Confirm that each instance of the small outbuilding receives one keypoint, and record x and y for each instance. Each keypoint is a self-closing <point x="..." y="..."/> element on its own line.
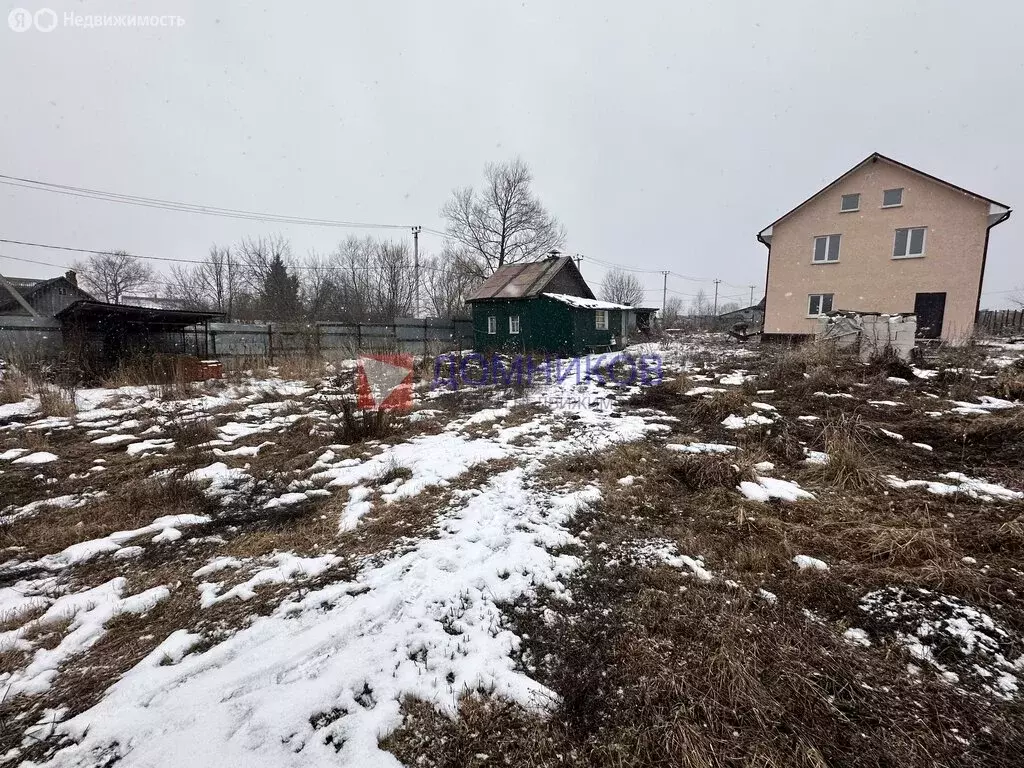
<point x="545" y="306"/>
<point x="99" y="337"/>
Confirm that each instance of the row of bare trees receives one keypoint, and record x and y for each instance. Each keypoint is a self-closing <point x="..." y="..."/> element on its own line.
<point x="364" y="278"/>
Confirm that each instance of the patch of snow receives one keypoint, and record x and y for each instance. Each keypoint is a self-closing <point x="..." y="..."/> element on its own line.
<point x="426" y="624"/>
<point x="806" y="562"/>
<point x="739" y="422"/>
<point x="857" y="636"/>
<point x="39" y="457"/>
<point x="701" y="447"/>
<point x="969" y="486"/>
<point x="767" y="488"/>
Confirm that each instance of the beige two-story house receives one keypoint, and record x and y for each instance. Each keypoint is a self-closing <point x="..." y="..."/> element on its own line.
<point x="883" y="237"/>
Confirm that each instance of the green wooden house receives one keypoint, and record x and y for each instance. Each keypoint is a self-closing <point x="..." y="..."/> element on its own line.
<point x="545" y="306"/>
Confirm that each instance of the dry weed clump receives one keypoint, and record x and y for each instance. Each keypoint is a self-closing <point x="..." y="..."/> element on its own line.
<point x="188" y="433"/>
<point x="1009" y="382"/>
<point x="851" y="465"/>
<point x="57" y="402"/>
<point x="14" y="386"/>
<point x="355" y="425"/>
<point x="716" y="406"/>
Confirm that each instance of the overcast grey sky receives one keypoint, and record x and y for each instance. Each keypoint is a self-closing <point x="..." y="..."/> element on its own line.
<point x="663" y="135"/>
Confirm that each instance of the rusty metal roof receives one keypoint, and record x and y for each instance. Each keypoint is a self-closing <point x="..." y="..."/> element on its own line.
<point x="520" y="281"/>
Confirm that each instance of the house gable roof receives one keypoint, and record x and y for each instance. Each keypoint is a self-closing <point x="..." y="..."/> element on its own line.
<point x="29" y="287"/>
<point x="765" y="234"/>
<point x="528" y="280"/>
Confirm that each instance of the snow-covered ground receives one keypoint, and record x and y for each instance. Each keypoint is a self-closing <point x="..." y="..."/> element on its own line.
<point x="340" y="634"/>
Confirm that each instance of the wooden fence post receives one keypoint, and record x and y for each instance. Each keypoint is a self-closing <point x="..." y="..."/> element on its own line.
<point x="270" y="343"/>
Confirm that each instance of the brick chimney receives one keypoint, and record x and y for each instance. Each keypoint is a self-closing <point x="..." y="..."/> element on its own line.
<point x="72" y="277"/>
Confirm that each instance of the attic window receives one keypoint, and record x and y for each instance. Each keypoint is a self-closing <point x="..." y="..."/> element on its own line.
<point x="891" y="198"/>
<point x="850" y="203"/>
<point x="601" y="319"/>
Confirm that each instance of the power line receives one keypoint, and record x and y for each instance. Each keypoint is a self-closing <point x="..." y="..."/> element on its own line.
<point x="326" y="267"/>
<point x="173" y="205"/>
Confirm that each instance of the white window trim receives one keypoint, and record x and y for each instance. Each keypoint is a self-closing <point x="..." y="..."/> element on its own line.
<point x="849" y="210"/>
<point x="827" y="239"/>
<point x="908" y="254"/>
<point x="821" y="300"/>
<point x="599" y="315"/>
<point x="513" y="330"/>
<point x="894" y="205"/>
<point x="492" y="325"/>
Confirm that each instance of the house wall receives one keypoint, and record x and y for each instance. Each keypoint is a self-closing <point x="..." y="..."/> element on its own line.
<point x="589" y="337"/>
<point x="866" y="277"/>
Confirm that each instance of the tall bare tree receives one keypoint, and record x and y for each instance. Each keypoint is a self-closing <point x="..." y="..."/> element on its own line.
<point x="210" y="284"/>
<point x="622" y="287"/>
<point x="320" y="291"/>
<point x="673" y="312"/>
<point x="504" y="221"/>
<point x="110" y="276"/>
<point x="256" y="257"/>
<point x="701" y="304"/>
<point x="449" y="278"/>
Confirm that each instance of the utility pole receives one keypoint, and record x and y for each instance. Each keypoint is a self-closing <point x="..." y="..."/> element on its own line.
<point x="416" y="269"/>
<point x="715" y="310"/>
<point x="579" y="260"/>
<point x="664" y="293"/>
<point x="752" y="295"/>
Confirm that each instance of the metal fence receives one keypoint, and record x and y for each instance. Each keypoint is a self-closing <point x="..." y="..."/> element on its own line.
<point x="417" y="337"/>
<point x="1001" y="322"/>
<point x="42" y="338"/>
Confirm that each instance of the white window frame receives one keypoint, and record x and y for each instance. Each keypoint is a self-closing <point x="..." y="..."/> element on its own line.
<point x="828" y="243"/>
<point x="849" y="210"/>
<point x="601" y="319"/>
<point x="821" y="301"/>
<point x="513" y="325"/>
<point x="909" y="231"/>
<point x="492" y="325"/>
<point x="893" y="205"/>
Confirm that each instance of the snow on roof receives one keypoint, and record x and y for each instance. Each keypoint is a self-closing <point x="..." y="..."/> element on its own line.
<point x="579" y="301"/>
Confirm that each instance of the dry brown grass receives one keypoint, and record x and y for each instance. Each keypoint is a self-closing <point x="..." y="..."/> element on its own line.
<point x="302" y="367"/>
<point x="57" y="402"/>
<point x="14" y="386"/>
<point x="130" y="505"/>
<point x="715" y="407"/>
<point x="852" y="464"/>
<point x="188" y="433"/>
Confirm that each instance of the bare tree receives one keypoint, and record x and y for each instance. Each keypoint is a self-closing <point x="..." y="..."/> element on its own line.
<point x="504" y="222"/>
<point x="352" y="264"/>
<point x="450" y="278"/>
<point x="110" y="276"/>
<point x="673" y="312"/>
<point x="622" y="287"/>
<point x="210" y="284"/>
<point x="729" y="306"/>
<point x="256" y="257"/>
<point x="701" y="305"/>
<point x="394" y="283"/>
<point x="320" y="291"/>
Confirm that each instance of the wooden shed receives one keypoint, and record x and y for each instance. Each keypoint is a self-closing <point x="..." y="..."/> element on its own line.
<point x="544" y="306"/>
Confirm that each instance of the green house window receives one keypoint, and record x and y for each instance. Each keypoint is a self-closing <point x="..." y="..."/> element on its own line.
<point x="601" y="320"/>
<point x="513" y="325"/>
<point x="492" y="325"/>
